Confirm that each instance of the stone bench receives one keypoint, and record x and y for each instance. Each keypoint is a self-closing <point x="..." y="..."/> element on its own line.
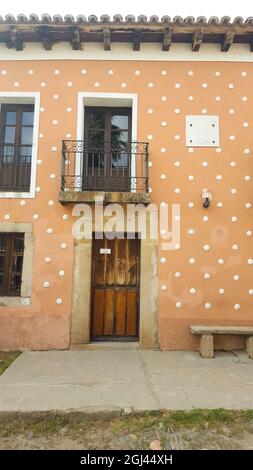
<point x="206" y="337"/>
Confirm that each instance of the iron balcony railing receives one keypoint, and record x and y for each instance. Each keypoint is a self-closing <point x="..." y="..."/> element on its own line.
<point x="103" y="167"/>
<point x="15" y="167"/>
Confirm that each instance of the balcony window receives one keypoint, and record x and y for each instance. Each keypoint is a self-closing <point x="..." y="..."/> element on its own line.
<point x="16" y="138"/>
<point x="107" y="137"/>
<point x="107" y="159"/>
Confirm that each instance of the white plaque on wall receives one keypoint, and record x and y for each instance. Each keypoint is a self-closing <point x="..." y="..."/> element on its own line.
<point x="202" y="131"/>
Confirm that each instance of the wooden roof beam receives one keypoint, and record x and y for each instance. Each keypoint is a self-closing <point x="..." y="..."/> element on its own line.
<point x="107" y="39"/>
<point x="137" y="40"/>
<point x="16" y="39"/>
<point x="167" y="39"/>
<point x="251" y="42"/>
<point x="76" y="41"/>
<point x="45" y="37"/>
<point x="197" y="39"/>
<point x="228" y="41"/>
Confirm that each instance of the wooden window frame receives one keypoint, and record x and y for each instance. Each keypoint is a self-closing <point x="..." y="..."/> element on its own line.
<point x="10" y="258"/>
<point x="108" y="112"/>
<point x="99" y="172"/>
<point x="17" y="163"/>
<point x="19" y="108"/>
<point x="25" y="298"/>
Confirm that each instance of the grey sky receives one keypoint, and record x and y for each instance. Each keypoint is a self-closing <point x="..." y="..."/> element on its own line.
<point x="159" y="7"/>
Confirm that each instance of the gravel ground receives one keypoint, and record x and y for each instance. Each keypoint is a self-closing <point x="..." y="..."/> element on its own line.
<point x="160" y="431"/>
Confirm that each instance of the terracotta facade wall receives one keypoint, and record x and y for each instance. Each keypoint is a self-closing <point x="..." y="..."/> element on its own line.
<point x="167" y="91"/>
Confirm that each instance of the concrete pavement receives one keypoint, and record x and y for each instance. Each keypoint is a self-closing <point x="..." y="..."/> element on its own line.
<point x="93" y="380"/>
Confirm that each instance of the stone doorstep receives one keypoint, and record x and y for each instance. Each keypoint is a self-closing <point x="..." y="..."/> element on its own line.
<point x="107" y="345"/>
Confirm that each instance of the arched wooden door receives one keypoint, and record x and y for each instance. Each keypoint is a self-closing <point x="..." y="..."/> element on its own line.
<point x="115" y="289"/>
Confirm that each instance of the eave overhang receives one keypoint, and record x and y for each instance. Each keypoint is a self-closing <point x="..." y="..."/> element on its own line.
<point x="15" y="33"/>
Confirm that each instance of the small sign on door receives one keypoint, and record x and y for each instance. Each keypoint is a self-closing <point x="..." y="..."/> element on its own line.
<point x="105" y="251"/>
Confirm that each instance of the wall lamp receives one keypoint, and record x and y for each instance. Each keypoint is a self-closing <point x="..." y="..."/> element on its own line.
<point x="207" y="197"/>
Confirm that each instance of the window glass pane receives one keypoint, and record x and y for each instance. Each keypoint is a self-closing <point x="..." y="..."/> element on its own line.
<point x="17" y="264"/>
<point x="1" y="284"/>
<point x="119" y="159"/>
<point x="96" y="120"/>
<point x="119" y="122"/>
<point x="95" y="160"/>
<point x="27" y="136"/>
<point x="96" y="138"/>
<point x="25" y="154"/>
<point x="26" y="151"/>
<point x="7" y="154"/>
<point x="1" y="264"/>
<point x="16" y="284"/>
<point x="19" y="243"/>
<point x="2" y="244"/>
<point x="119" y="138"/>
<point x="11" y="118"/>
<point x="27" y="119"/>
<point x="9" y="137"/>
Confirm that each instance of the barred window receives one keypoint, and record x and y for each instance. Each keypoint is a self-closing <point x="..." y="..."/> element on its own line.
<point x="11" y="263"/>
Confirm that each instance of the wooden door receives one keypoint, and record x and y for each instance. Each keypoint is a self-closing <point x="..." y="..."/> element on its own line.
<point x="115" y="289"/>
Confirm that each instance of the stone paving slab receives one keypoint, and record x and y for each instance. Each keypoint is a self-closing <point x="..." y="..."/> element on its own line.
<point x="108" y="380"/>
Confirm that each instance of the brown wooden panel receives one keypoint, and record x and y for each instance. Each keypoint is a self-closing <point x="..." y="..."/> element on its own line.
<point x="99" y="261"/>
<point x="98" y="312"/>
<point x="132" y="309"/>
<point x="110" y="263"/>
<point x="109" y="311"/>
<point x="120" y="275"/>
<point x="120" y="312"/>
<point x="133" y="262"/>
<point x="115" y="309"/>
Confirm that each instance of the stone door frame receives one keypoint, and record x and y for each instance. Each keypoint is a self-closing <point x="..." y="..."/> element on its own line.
<point x="81" y="299"/>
